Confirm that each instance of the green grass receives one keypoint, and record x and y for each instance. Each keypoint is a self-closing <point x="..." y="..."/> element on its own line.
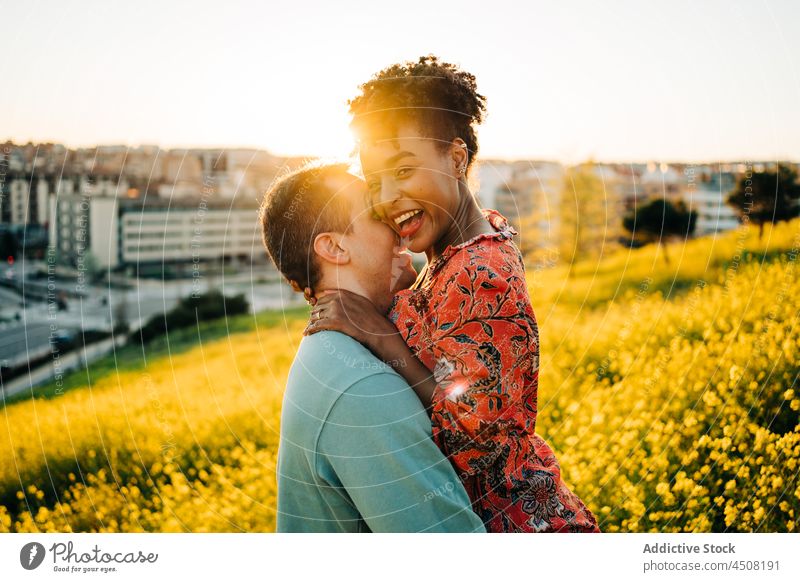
<point x="597" y="282"/>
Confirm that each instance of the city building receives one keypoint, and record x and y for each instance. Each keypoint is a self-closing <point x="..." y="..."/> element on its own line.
<point x="187" y="233"/>
<point x="131" y="206"/>
<point x="492" y="175"/>
<point x="120" y="233"/>
<point x="23" y="199"/>
<point x="660" y="181"/>
<point x="528" y="193"/>
<point x="706" y="192"/>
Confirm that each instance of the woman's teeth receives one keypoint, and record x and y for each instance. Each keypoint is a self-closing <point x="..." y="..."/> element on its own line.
<point x="405" y="216"/>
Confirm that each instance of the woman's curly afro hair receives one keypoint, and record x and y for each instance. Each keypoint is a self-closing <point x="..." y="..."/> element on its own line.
<point x="440" y="99"/>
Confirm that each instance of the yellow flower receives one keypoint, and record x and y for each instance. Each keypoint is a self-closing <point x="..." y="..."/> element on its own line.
<point x="665" y="413"/>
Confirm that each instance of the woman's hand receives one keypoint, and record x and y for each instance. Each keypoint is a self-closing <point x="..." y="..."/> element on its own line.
<point x="351" y="314"/>
<point x="356" y="316"/>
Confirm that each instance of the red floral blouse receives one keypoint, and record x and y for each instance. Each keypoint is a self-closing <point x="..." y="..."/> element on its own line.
<point x="469" y="319"/>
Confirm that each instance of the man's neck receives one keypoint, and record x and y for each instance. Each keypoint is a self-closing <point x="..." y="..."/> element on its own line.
<point x="342" y="283"/>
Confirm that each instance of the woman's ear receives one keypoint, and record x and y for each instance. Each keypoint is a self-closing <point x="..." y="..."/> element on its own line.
<point x="328" y="248"/>
<point x="460" y="156"/>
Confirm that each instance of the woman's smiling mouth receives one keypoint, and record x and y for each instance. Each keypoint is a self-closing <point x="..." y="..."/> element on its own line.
<point x="408" y="223"/>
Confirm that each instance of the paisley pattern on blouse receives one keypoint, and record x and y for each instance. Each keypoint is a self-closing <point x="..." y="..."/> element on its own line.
<point x="469" y="319"/>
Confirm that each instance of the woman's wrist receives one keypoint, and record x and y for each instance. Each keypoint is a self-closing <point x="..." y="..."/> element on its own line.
<point x="389" y="347"/>
<point x="395" y="352"/>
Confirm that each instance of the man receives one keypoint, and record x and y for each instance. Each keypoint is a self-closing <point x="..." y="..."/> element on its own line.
<point x="356" y="452"/>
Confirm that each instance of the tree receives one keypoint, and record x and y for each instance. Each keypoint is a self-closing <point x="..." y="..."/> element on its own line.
<point x="767" y="196"/>
<point x="119" y="318"/>
<point x="658" y="221"/>
<point x="583" y="215"/>
<point x="528" y="239"/>
<point x="91" y="267"/>
<point x="190" y="311"/>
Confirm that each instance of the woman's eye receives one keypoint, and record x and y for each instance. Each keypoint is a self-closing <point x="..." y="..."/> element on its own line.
<point x="403" y="172"/>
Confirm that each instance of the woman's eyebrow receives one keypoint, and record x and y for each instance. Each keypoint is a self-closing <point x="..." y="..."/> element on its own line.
<point x="397" y="157"/>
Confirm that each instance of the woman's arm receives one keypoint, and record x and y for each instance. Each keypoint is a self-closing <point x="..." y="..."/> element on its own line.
<point x="356" y="316"/>
<point x="395" y="352"/>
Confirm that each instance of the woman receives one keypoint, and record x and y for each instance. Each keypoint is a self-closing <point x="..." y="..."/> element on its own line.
<point x="464" y="335"/>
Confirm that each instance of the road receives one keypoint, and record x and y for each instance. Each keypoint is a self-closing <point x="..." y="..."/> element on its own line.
<point x="21" y="343"/>
<point x="9" y="298"/>
<point x="60" y="366"/>
<point x="28" y="336"/>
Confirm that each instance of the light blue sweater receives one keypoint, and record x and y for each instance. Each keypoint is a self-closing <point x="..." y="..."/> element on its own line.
<point x="356" y="453"/>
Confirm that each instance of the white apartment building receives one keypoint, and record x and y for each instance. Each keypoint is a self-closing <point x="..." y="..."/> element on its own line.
<point x="528" y="193"/>
<point x="83" y="226"/>
<point x="491" y="177"/>
<point x="187" y="234"/>
<point x="119" y="232"/>
<point x="707" y="197"/>
<point x="713" y="214"/>
<point x="24" y="200"/>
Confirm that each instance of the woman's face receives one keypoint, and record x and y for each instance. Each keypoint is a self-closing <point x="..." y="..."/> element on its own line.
<point x="413" y="186"/>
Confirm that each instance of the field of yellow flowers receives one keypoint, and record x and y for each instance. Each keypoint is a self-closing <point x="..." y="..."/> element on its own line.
<point x="669" y="392"/>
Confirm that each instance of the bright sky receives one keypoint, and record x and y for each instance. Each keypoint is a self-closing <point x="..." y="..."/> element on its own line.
<point x="616" y="81"/>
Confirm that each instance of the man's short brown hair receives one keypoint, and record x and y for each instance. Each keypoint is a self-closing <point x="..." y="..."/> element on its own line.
<point x="298" y="207"/>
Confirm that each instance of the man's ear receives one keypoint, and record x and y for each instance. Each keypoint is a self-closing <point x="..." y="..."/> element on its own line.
<point x="328" y="248"/>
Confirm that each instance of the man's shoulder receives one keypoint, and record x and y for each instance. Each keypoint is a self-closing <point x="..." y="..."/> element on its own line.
<point x="339" y="358"/>
<point x="329" y="364"/>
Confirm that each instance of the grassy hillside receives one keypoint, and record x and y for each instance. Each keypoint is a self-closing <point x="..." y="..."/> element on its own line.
<point x="669" y="393"/>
